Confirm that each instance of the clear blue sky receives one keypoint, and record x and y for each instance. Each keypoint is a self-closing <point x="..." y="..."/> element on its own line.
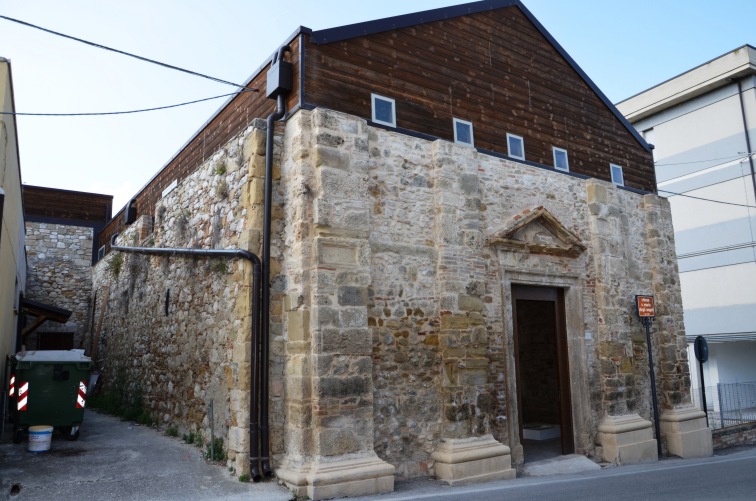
<point x="625" y="47"/>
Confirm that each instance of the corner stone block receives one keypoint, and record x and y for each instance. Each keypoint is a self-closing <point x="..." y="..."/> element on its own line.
<point x="254" y="144"/>
<point x="242" y="305"/>
<point x="469" y="460"/>
<point x="627" y="439"/>
<point x="256" y="191"/>
<point x="238" y="439"/>
<point x="596" y="192"/>
<point x="470" y="303"/>
<point x="686" y="432"/>
<point x="298" y="325"/>
<point x="331" y="157"/>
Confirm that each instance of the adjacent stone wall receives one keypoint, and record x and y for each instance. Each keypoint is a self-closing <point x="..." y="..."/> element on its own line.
<point x="60" y="274"/>
<point x="176" y="330"/>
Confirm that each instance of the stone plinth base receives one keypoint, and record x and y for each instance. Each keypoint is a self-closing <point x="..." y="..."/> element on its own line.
<point x="686" y="432"/>
<point x="460" y="461"/>
<point x="326" y="478"/>
<point x="627" y="439"/>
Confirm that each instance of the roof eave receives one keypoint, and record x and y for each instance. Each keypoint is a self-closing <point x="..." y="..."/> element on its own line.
<point x="697" y="81"/>
<point x="355" y="30"/>
<point x="288" y="40"/>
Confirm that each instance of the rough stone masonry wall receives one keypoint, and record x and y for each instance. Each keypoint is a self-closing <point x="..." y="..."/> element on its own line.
<point x="60" y="274"/>
<point x="178" y="361"/>
<point x="438" y="294"/>
<point x="391" y="298"/>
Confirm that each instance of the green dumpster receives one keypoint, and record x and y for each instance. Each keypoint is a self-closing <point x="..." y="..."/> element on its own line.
<point x="49" y="388"/>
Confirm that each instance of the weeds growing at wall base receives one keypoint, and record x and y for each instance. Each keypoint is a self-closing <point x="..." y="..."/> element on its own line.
<point x="117" y="402"/>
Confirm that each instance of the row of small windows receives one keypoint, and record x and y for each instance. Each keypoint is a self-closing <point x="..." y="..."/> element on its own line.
<point x="384" y="113"/>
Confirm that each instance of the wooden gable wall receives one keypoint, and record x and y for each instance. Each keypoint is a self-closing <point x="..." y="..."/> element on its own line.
<point x="494" y="69"/>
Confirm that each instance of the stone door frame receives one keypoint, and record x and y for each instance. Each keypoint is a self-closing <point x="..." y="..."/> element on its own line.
<point x="578" y="342"/>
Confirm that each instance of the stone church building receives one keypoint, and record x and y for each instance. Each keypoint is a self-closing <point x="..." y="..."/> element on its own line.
<point x="459" y="222"/>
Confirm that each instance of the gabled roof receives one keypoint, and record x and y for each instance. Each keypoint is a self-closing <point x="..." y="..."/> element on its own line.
<point x="349" y="31"/>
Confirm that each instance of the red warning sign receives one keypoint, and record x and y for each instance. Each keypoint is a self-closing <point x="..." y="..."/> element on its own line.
<point x="645" y="306"/>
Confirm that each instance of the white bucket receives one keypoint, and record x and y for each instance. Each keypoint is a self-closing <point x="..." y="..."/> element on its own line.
<point x="40" y="438"/>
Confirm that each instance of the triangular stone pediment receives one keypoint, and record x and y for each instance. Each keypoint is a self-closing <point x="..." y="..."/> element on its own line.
<point x="537" y="231"/>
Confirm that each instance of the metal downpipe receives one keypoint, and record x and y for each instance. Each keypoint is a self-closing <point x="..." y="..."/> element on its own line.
<point x="254" y="424"/>
<point x="265" y="300"/>
<point x="254" y="397"/>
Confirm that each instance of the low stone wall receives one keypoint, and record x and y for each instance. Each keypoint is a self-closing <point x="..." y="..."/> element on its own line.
<point x="60" y="274"/>
<point x="744" y="434"/>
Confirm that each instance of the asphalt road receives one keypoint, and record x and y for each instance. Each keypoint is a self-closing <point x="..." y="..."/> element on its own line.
<point x="117" y="460"/>
<point x="730" y="477"/>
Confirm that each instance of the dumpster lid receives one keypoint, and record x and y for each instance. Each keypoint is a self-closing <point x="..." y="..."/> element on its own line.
<point x="52" y="356"/>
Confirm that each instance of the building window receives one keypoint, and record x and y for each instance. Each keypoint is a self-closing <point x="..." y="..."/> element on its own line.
<point x="384" y="110"/>
<point x="463" y="132"/>
<point x="101" y="253"/>
<point x="561" y="162"/>
<point x="515" y="146"/>
<point x="618" y="177"/>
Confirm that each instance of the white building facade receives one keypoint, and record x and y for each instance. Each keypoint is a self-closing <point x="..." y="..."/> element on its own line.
<point x="703" y="126"/>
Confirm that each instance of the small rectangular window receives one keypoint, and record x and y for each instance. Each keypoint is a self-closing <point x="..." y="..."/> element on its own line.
<point x="384" y="110"/>
<point x="515" y="146"/>
<point x="618" y="177"/>
<point x="101" y="253"/>
<point x="463" y="132"/>
<point x="561" y="161"/>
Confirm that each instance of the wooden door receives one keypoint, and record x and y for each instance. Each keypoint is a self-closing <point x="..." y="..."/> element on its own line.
<point x="543" y="307"/>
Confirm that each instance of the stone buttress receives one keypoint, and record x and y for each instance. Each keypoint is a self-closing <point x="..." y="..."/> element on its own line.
<point x="328" y="436"/>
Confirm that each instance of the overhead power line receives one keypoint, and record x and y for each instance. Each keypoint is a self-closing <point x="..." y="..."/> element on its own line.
<point x="706" y="199"/>
<point x="145" y="59"/>
<point x="733" y="157"/>
<point x="100" y="113"/>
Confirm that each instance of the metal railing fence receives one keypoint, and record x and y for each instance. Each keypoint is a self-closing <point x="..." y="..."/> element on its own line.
<point x="728" y="404"/>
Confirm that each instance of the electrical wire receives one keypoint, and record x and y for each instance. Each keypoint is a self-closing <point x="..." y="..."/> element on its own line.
<point x="101" y="113"/>
<point x="141" y="58"/>
<point x="733" y="157"/>
<point x="706" y="199"/>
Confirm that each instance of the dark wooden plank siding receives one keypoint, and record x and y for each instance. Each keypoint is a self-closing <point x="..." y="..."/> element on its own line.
<point x="494" y="69"/>
<point x="42" y="203"/>
<point x="229" y="122"/>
